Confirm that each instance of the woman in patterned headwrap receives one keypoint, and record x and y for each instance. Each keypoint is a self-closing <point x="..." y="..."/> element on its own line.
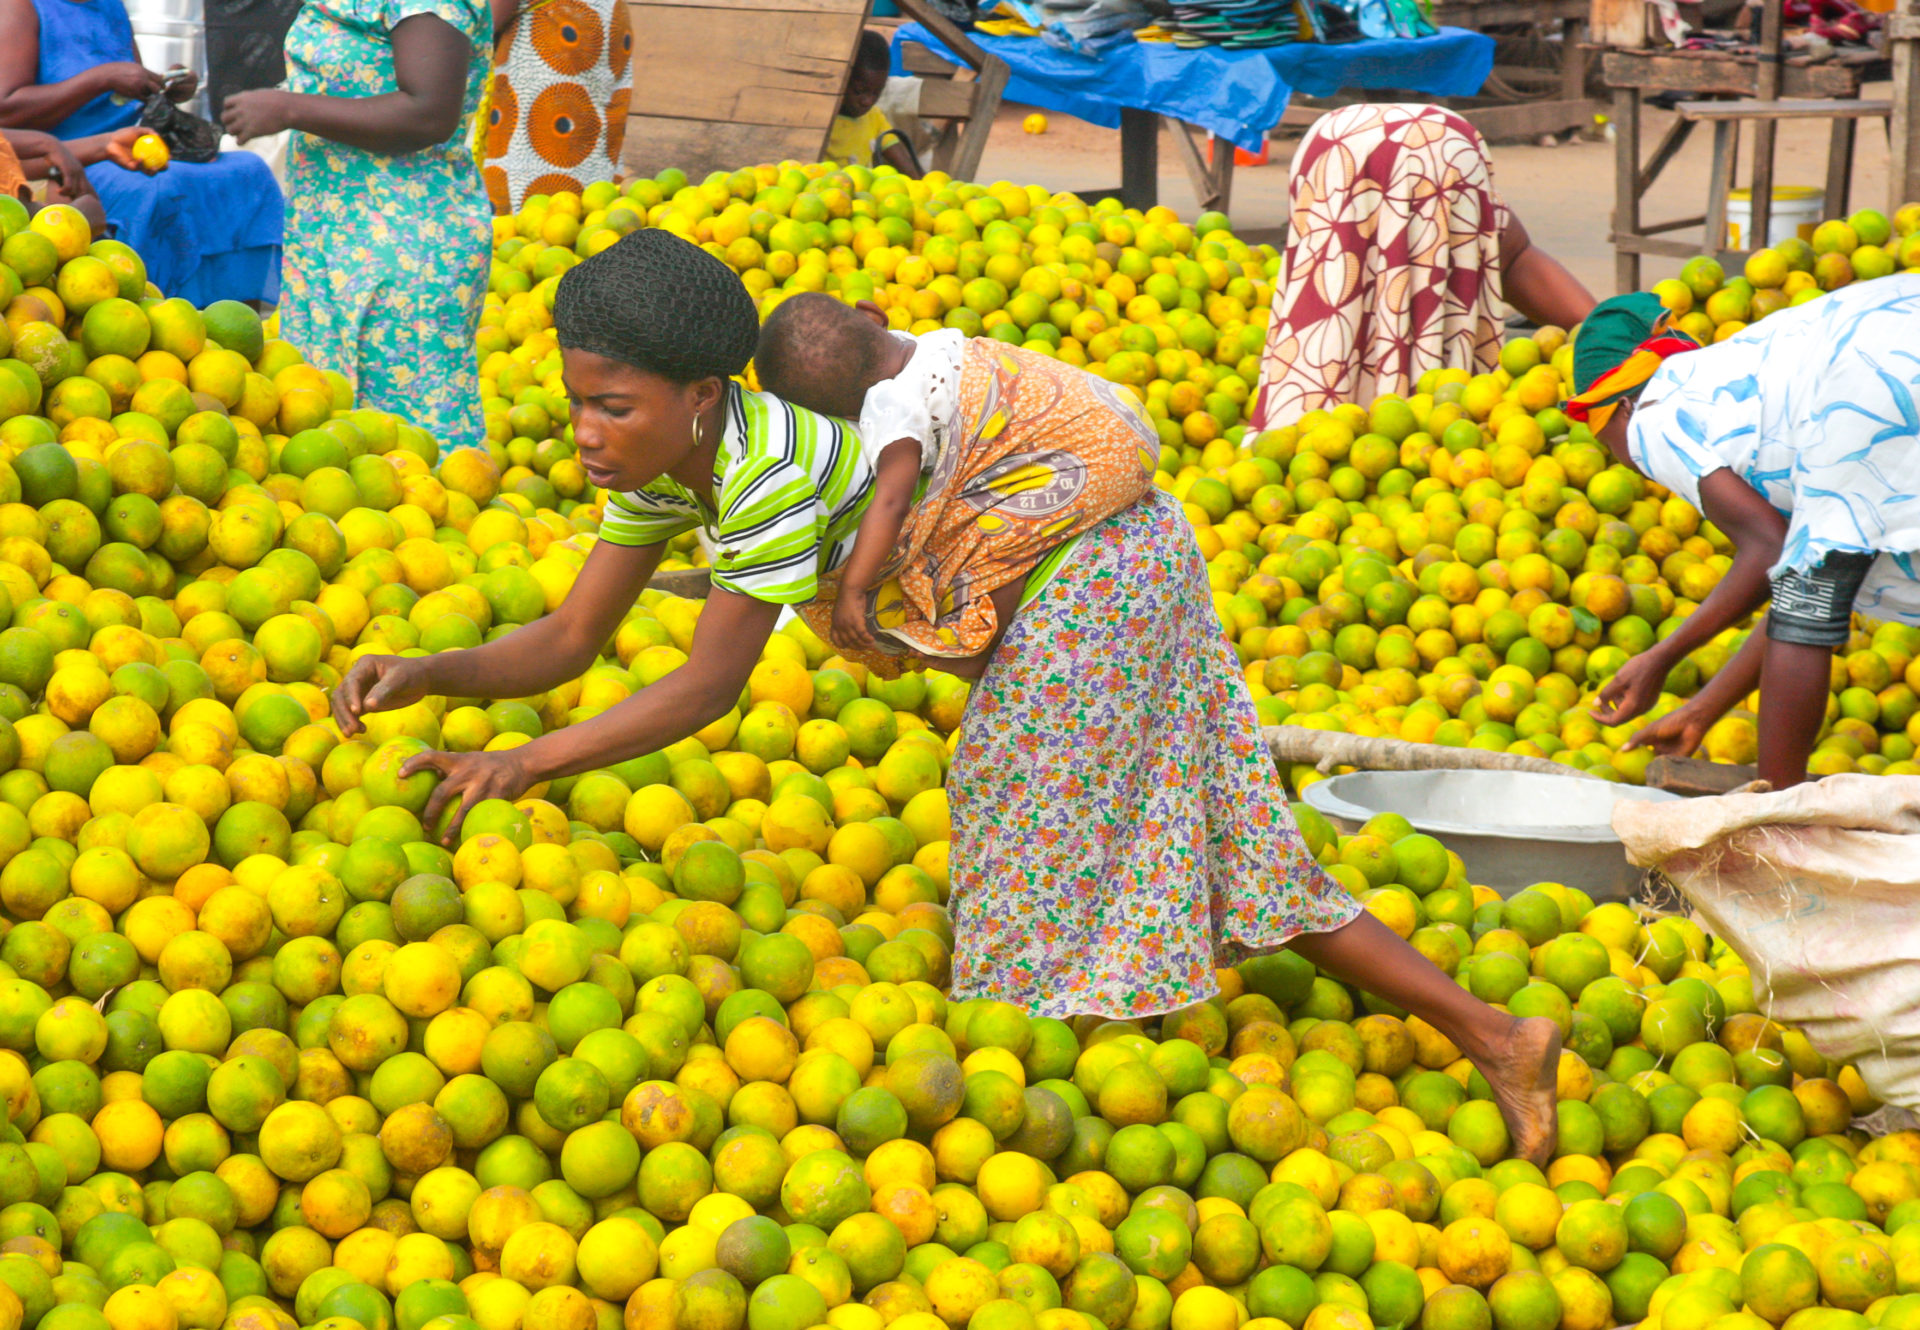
<point x="1400" y="259"/>
<point x="1118" y="828"/>
<point x="1795" y="438"/>
<point x="562" y="73"/>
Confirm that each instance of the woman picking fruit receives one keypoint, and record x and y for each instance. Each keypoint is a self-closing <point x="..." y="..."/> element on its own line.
<point x="391" y="232"/>
<point x="1795" y="438"/>
<point x="1119" y="828"/>
<point x="1400" y="259"/>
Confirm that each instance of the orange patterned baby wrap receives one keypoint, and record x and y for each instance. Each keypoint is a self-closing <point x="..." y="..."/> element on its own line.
<point x="1042" y="452"/>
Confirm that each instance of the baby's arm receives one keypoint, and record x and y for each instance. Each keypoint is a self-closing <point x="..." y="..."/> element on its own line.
<point x="895" y="475"/>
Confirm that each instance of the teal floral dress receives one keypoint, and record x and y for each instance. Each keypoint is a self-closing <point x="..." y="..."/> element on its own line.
<point x="387" y="255"/>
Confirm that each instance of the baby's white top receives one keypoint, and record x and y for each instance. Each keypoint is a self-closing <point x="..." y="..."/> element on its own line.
<point x="921" y="402"/>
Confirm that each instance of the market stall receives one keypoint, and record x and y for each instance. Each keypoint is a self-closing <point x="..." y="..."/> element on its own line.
<point x="1233" y="95"/>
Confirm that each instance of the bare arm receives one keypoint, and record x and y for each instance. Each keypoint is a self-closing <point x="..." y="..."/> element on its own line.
<point x="26" y="104"/>
<point x="1681" y="731"/>
<point x="733" y="628"/>
<point x="893" y="483"/>
<point x="430" y="70"/>
<point x="1757" y="532"/>
<point x="1794" y="682"/>
<point x="548" y="651"/>
<point x="1536" y="284"/>
<point x="895" y="155"/>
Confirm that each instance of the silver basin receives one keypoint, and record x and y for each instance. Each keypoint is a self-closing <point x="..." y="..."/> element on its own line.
<point x="1511" y="828"/>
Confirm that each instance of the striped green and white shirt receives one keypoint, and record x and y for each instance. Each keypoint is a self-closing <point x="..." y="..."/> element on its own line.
<point x="791" y="487"/>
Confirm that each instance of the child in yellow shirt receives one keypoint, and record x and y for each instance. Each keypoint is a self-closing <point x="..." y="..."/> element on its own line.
<point x="861" y="125"/>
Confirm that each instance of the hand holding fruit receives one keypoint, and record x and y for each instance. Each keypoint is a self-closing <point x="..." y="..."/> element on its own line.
<point x="150" y="153"/>
<point x="1633" y="689"/>
<point x="377" y="683"/>
<point x="465" y="780"/>
<point x="1679" y="733"/>
<point x="256" y="114"/>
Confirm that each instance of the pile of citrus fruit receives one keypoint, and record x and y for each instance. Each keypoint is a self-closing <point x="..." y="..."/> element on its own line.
<point x="668" y="1045"/>
<point x="1710" y="306"/>
<point x="1463" y="567"/>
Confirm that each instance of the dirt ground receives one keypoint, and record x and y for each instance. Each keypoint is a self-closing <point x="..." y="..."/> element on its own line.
<point x="1564" y="194"/>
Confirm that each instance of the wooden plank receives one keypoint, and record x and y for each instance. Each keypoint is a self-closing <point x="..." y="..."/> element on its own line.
<point x="697" y="146"/>
<point x="736" y="82"/>
<point x="1677" y="224"/>
<point x="1677" y="72"/>
<point x="945" y="31"/>
<point x="1726" y="150"/>
<point x="1839" y="108"/>
<point x="1529" y="120"/>
<point x="1619" y="23"/>
<point x="776" y="68"/>
<point x="1663" y="152"/>
<point x="944" y="99"/>
<point x="1631" y="247"/>
<point x="1840" y="168"/>
<point x="1626" y="199"/>
<point x="1691" y="776"/>
<point x="1478" y="14"/>
<point x="691" y="583"/>
<point x="1903" y="130"/>
<point x="971" y="142"/>
<point x="920" y="60"/>
<point x="1766" y="88"/>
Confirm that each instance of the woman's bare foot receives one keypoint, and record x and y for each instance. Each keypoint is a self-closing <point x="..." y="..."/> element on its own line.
<point x="1524" y="1071"/>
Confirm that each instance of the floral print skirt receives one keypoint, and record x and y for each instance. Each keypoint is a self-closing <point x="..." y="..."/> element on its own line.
<point x="1118" y="828"/>
<point x="1394" y="263"/>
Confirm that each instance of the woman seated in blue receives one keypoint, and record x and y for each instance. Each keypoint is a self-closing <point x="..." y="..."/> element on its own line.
<point x="207" y="231"/>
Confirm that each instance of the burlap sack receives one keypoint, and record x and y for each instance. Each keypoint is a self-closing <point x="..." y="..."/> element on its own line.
<point x="1818" y="889"/>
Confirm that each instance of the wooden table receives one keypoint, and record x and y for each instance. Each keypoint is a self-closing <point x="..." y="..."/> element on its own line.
<point x="1830" y="89"/>
<point x="1570" y="107"/>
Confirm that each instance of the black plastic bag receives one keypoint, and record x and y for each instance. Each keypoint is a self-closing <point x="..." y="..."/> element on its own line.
<point x="187" y="136"/>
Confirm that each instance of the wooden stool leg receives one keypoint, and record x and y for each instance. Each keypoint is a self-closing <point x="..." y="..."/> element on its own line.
<point x="1626" y="186"/>
<point x="1725" y="145"/>
<point x="1840" y="167"/>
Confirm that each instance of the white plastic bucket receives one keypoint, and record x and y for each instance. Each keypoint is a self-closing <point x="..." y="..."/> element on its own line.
<point x="1796" y="211"/>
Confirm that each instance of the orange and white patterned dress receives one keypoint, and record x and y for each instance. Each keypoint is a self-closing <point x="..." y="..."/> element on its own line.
<point x="1393" y="268"/>
<point x="557" y="113"/>
<point x="1039" y="453"/>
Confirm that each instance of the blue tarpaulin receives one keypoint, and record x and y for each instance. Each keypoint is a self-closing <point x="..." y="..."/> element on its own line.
<point x="1235" y="95"/>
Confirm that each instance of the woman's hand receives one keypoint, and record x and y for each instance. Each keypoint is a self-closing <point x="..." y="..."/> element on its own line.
<point x="850" y="631"/>
<point x="1679" y="733"/>
<point x="258" y="114"/>
<point x="465" y="780"/>
<point x="1633" y="689"/>
<point x="181" y="83"/>
<point x="129" y="78"/>
<point x="378" y="683"/>
<point x="117" y="147"/>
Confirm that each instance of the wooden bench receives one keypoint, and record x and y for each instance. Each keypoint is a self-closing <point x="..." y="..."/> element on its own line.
<point x="1726" y="118"/>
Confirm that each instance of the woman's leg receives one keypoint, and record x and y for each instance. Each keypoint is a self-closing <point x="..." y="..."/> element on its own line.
<point x="1520" y="1058"/>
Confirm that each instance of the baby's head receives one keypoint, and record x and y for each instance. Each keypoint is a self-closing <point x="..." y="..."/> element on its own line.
<point x="823" y="355"/>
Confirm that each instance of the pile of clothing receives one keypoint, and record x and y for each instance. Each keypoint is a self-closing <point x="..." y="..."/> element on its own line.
<point x="1249" y="24"/>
